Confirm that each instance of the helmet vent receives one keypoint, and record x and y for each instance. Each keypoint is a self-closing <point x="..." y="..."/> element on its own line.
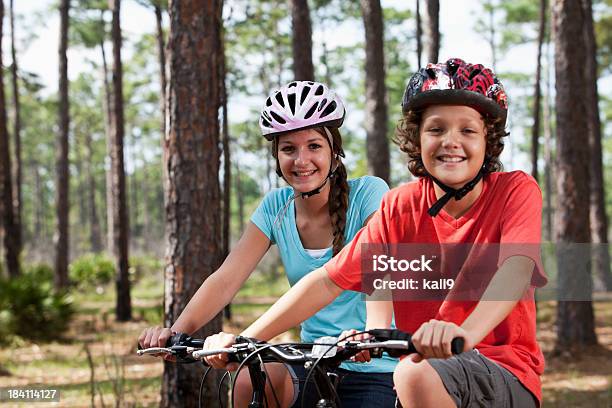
<point x="304" y="94"/>
<point x="291" y="99"/>
<point x="279" y="99"/>
<point x="292" y="85"/>
<point x="311" y="110"/>
<point x="330" y="108"/>
<point x="323" y="102"/>
<point x="319" y="90"/>
<point x="278" y="118"/>
<point x="268" y="102"/>
<point x="266" y="123"/>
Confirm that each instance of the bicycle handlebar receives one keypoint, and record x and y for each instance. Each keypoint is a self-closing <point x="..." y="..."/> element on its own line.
<point x="395" y="342"/>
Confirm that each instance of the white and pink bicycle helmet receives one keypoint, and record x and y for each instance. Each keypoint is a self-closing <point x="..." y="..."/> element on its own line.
<point x="300" y="105"/>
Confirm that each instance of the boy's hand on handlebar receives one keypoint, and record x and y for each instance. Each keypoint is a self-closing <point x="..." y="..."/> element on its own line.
<point x="349" y="335"/>
<point x="217" y="341"/>
<point x="433" y="339"/>
<point x="156" y="337"/>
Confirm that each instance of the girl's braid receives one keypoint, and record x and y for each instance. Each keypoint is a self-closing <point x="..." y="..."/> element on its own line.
<point x="338" y="205"/>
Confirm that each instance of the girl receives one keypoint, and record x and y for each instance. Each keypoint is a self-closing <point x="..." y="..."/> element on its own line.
<point x="452" y="129"/>
<point x="309" y="221"/>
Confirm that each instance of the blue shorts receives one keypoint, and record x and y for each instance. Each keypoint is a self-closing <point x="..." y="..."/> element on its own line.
<point x="355" y="389"/>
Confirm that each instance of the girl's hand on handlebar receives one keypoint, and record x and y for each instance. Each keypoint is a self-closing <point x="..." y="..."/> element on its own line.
<point x="156" y="337"/>
<point x="433" y="339"/>
<point x="349" y="335"/>
<point x="217" y="341"/>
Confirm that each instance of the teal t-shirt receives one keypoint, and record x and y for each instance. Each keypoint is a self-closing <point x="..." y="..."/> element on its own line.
<point x="348" y="310"/>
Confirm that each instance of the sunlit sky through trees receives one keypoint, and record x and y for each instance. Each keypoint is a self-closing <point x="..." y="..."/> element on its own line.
<point x="458" y="38"/>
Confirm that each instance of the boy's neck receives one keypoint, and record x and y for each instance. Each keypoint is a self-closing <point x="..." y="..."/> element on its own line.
<point x="458" y="208"/>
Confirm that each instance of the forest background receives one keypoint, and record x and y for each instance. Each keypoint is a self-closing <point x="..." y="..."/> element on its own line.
<point x="67" y="122"/>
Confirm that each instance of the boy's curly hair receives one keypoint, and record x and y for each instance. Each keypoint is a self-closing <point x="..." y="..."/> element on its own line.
<point x="408" y="139"/>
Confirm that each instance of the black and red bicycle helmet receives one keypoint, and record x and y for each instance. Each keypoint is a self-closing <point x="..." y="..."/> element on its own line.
<point x="456" y="82"/>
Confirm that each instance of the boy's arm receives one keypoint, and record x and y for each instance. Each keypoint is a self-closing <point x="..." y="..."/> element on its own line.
<point x="510" y="282"/>
<point x="433" y="338"/>
<point x="307" y="297"/>
<point x="379" y="314"/>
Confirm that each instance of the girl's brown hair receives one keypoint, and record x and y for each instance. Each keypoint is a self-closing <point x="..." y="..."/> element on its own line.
<point x="339" y="188"/>
<point x="408" y="139"/>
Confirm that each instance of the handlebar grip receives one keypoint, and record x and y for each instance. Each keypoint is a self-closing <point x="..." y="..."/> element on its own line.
<point x="457" y="345"/>
<point x="177" y="339"/>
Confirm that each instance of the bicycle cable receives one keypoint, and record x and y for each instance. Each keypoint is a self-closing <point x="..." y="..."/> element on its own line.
<point x="202" y="386"/>
<point x="242" y="364"/>
<point x="226" y="374"/>
<point x="268" y="379"/>
<point x="331" y="387"/>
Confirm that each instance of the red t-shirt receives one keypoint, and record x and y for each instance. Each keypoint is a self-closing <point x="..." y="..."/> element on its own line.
<point x="508" y="211"/>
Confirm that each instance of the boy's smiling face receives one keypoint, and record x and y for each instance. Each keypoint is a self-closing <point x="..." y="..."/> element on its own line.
<point x="453" y="143"/>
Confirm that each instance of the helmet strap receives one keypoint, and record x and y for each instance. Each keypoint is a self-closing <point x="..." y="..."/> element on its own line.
<point x="457" y="194"/>
<point x="333" y="166"/>
<point x="332" y="171"/>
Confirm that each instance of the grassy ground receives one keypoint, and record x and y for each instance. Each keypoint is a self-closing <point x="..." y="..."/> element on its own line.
<point x="570" y="380"/>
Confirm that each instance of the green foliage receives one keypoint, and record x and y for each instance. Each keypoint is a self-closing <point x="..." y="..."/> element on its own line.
<point x="509" y="23"/>
<point x="144" y="266"/>
<point x="91" y="270"/>
<point x="30" y="308"/>
<point x="603" y="34"/>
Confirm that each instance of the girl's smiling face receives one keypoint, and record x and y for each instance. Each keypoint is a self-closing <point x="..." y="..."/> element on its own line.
<point x="304" y="158"/>
<point x="453" y="143"/>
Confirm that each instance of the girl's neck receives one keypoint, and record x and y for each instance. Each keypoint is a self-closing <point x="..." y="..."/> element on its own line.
<point x="458" y="208"/>
<point x="314" y="205"/>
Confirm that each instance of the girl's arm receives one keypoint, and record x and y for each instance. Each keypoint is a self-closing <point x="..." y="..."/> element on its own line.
<point x="216" y="291"/>
<point x="221" y="287"/>
<point x="307" y="297"/>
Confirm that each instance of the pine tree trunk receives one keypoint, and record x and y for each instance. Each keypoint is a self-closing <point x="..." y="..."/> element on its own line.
<point x="419" y="33"/>
<point x="227" y="167"/>
<point x="575" y="321"/>
<point x="239" y="197"/>
<point x="146" y="219"/>
<point x="7" y="220"/>
<point x="133" y="194"/>
<point x="78" y="180"/>
<point x="432" y="30"/>
<point x="120" y="215"/>
<point x="162" y="66"/>
<point x="492" y="42"/>
<point x="598" y="216"/>
<point x="325" y="63"/>
<point x="535" y="129"/>
<point x="38" y="206"/>
<point x="95" y="238"/>
<point x="376" y="99"/>
<point x="303" y="69"/>
<point x="106" y="102"/>
<point x="548" y="154"/>
<point x="17" y="139"/>
<point x="192" y="195"/>
<point x="61" y="238"/>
